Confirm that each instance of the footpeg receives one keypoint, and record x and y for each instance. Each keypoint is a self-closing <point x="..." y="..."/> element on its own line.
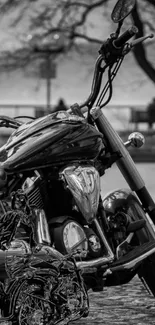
<point x="134" y="257"/>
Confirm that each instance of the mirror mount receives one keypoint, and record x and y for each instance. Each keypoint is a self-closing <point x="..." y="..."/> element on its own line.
<point x="119" y="28"/>
<point x="117" y="32"/>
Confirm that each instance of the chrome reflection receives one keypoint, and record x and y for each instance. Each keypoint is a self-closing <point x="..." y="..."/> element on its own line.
<point x="41" y="231"/>
<point x="17" y="256"/>
<point x="74" y="236"/>
<point x="84" y="184"/>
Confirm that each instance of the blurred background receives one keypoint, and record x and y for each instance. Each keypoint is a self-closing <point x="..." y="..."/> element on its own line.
<point x="47" y="56"/>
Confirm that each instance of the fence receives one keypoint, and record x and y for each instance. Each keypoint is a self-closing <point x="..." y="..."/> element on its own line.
<point x="126" y="118"/>
<point x="123" y="116"/>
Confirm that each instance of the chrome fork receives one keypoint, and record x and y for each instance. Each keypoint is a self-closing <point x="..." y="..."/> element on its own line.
<point x="106" y="259"/>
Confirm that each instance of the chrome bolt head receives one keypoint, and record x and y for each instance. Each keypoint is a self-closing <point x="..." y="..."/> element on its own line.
<point x="136" y="139"/>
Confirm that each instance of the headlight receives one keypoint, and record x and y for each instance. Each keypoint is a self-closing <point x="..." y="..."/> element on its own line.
<point x="84" y="184"/>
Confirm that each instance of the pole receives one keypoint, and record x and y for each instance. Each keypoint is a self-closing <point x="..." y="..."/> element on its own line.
<point x="48" y="83"/>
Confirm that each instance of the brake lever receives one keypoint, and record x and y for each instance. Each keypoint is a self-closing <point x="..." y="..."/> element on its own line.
<point x="140" y="40"/>
<point x="130" y="45"/>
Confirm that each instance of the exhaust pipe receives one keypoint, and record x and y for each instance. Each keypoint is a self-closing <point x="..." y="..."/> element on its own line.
<point x="86" y="266"/>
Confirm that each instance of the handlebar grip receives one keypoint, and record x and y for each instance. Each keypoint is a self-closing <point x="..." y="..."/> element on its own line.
<point x="121" y="40"/>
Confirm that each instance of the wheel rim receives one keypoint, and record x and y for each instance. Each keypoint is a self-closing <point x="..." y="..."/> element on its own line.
<point x="32" y="312"/>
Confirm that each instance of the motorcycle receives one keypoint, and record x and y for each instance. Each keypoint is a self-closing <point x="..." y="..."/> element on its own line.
<point x="58" y="237"/>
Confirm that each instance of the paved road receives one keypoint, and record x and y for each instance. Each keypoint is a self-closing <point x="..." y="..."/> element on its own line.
<point x="129" y="304"/>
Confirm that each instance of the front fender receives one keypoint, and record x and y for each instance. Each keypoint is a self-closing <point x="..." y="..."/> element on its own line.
<point x="126" y="201"/>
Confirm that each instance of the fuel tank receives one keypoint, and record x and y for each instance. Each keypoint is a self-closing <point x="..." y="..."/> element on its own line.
<point x="57" y="137"/>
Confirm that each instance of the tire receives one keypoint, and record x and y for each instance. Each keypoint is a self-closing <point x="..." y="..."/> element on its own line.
<point x="146" y="273"/>
<point x="126" y="201"/>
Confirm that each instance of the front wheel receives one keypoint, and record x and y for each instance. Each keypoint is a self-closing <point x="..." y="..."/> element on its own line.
<point x="147" y="273"/>
<point x="124" y="200"/>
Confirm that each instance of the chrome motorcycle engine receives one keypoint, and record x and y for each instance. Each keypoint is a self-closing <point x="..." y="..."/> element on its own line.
<point x="71" y="238"/>
<point x="68" y="236"/>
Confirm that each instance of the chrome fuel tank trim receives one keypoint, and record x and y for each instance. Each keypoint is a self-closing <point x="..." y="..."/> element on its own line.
<point x="84" y="184"/>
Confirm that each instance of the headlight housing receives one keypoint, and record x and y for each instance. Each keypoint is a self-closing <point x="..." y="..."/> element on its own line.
<point x="84" y="184"/>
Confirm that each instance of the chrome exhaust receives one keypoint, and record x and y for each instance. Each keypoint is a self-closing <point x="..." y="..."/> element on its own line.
<point x="43" y="239"/>
<point x="42" y="235"/>
<point x="101" y="261"/>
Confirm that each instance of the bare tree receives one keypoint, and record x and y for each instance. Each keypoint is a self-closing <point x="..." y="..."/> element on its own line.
<point x="144" y="22"/>
<point x="53" y="27"/>
<point x="45" y="27"/>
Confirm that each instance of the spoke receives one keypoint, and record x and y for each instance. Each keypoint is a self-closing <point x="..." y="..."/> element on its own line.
<point x="31" y="307"/>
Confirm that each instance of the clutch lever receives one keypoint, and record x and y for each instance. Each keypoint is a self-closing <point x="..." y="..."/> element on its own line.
<point x="8" y="125"/>
<point x="140" y="40"/>
<point x="8" y="122"/>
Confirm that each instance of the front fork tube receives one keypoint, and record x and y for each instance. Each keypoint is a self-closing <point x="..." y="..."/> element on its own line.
<point x="125" y="164"/>
<point x="103" y="239"/>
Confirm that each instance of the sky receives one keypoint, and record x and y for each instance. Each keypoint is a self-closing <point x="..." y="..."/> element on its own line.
<point x="74" y="75"/>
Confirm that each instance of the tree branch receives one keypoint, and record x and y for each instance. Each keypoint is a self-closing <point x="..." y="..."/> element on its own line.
<point x="151" y="2"/>
<point x="139" y="50"/>
<point x="82" y="4"/>
<point x="89" y="8"/>
<point x="87" y="38"/>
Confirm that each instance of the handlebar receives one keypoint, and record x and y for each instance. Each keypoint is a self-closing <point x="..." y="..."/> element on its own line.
<point x="121" y="40"/>
<point x="112" y="53"/>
